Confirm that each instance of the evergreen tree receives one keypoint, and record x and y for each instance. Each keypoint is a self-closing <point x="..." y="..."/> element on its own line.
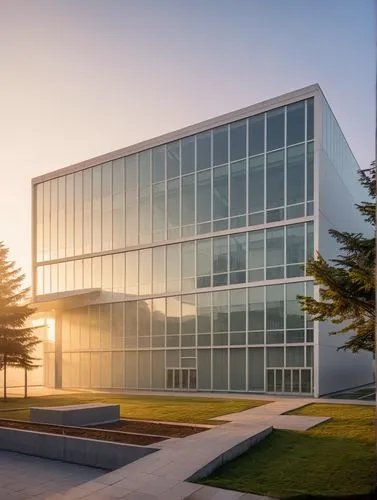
<point x="17" y="341"/>
<point x="347" y="283"/>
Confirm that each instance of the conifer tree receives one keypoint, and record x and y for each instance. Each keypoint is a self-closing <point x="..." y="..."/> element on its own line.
<point x="17" y="340"/>
<point x="347" y="283"/>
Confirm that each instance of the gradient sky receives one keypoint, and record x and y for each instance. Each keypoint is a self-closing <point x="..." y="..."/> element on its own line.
<point x="80" y="78"/>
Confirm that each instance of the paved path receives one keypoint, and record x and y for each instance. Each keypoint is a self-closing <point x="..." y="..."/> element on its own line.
<point x="26" y="477"/>
<point x="165" y="474"/>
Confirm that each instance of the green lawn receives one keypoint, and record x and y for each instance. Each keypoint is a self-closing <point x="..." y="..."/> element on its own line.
<point x="167" y="408"/>
<point x="333" y="459"/>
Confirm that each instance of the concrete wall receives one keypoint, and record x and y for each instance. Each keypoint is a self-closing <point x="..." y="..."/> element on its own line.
<point x="90" y="452"/>
<point x="338" y="191"/>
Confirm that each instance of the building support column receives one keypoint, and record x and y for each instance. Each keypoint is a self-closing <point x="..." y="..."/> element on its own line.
<point x="58" y="350"/>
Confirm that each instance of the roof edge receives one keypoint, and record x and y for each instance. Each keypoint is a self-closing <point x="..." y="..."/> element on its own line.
<point x="239" y="114"/>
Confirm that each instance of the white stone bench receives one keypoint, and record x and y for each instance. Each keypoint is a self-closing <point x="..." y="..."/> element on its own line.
<point x="76" y="415"/>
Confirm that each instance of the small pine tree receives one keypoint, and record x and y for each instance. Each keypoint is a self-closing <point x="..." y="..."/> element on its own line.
<point x="347" y="283"/>
<point x="17" y="340"/>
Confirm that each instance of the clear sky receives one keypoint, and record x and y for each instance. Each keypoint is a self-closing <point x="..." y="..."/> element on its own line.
<point x="79" y="78"/>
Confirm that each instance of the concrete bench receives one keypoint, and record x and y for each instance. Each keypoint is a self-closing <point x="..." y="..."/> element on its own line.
<point x="76" y="415"/>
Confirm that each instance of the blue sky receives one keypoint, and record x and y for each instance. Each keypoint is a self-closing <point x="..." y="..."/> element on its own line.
<point x="80" y="78"/>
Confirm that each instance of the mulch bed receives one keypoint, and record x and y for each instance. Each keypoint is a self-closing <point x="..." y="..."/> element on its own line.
<point x="142" y="427"/>
<point x="85" y="432"/>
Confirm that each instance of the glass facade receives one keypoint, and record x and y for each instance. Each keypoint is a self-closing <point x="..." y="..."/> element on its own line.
<point x="199" y="248"/>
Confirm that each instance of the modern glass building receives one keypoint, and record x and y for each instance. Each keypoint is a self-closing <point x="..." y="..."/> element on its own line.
<point x="175" y="264"/>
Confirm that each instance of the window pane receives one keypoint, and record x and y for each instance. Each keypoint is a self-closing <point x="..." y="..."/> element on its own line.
<point x="158" y="164"/>
<point x="54" y="219"/>
<point x="310" y="118"/>
<point x="238" y="188"/>
<point x="203" y="150"/>
<point x="220" y="193"/>
<point x="172" y="160"/>
<point x="188" y="155"/>
<point x="203" y="197"/>
<point x="275" y="307"/>
<point x="256" y="249"/>
<point x="118" y="204"/>
<point x="238" y="140"/>
<point x="256" y="308"/>
<point x="118" y="273"/>
<point x="220" y="311"/>
<point x="203" y="265"/>
<point x="158" y="194"/>
<point x="310" y="241"/>
<point x="296" y="174"/>
<point x="275" y="247"/>
<point x="237" y="249"/>
<point x="296" y="123"/>
<point x="158" y="316"/>
<point x="188" y="200"/>
<point x="220" y="255"/>
<point x="275" y="357"/>
<point x="173" y="314"/>
<point x="173" y="205"/>
<point x="158" y="256"/>
<point x="275" y="179"/>
<point x="188" y="259"/>
<point x="256" y="184"/>
<point x="220" y="145"/>
<point x="131" y="177"/>
<point x="61" y="217"/>
<point x="275" y="129"/>
<point x="145" y="272"/>
<point x="132" y="273"/>
<point x="295" y="243"/>
<point x="295" y="356"/>
<point x="294" y="314"/>
<point x="173" y="268"/>
<point x="310" y="171"/>
<point x="107" y="273"/>
<point x="238" y="310"/>
<point x="256" y="135"/>
<point x="188" y="314"/>
<point x="107" y="207"/>
<point x="69" y="228"/>
<point x="204" y="313"/>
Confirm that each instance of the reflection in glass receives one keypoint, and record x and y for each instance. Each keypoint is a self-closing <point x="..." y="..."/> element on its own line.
<point x="238" y="310"/>
<point x="256" y="308"/>
<point x="204" y="313"/>
<point x="46" y="219"/>
<point x="87" y="210"/>
<point x="70" y="203"/>
<point x="237" y="252"/>
<point x="275" y="307"/>
<point x="220" y="145"/>
<point x="173" y="268"/>
<point x="296" y="123"/>
<point x="188" y="200"/>
<point x="158" y="164"/>
<point x="158" y="266"/>
<point x="173" y="314"/>
<point x="188" y="265"/>
<point x="256" y="184"/>
<point x="188" y="155"/>
<point x="310" y="119"/>
<point x="203" y="151"/>
<point x="172" y="160"/>
<point x="158" y="211"/>
<point x="295" y="243"/>
<point x="203" y="197"/>
<point x="296" y="174"/>
<point x="310" y="171"/>
<point x="118" y="204"/>
<point x="96" y="272"/>
<point x="107" y="207"/>
<point x="54" y="219"/>
<point x="145" y="271"/>
<point x="238" y="140"/>
<point x="220" y="254"/>
<point x="131" y="176"/>
<point x="256" y="135"/>
<point x="39" y="203"/>
<point x="132" y="273"/>
<point x="118" y="273"/>
<point x="220" y="193"/>
<point x="78" y="270"/>
<point x="220" y="311"/>
<point x="238" y="188"/>
<point x="188" y="312"/>
<point x="96" y="209"/>
<point x="275" y="129"/>
<point x="275" y="179"/>
<point x="173" y="208"/>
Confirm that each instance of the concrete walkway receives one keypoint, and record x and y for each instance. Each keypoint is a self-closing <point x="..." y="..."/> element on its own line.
<point x="165" y="474"/>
